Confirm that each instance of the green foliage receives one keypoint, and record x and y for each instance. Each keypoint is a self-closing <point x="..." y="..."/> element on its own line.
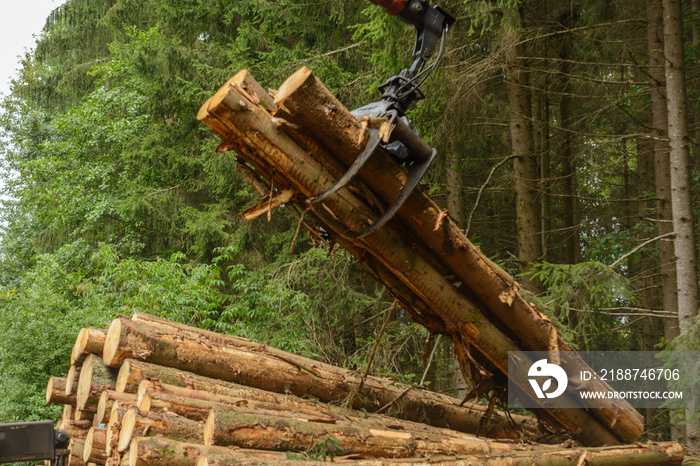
<point x="39" y="320"/>
<point x="579" y="294"/>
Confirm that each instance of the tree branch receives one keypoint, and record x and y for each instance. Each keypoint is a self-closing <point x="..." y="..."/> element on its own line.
<point x="625" y="256"/>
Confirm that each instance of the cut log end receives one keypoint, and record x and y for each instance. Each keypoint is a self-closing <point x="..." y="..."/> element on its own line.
<point x="77" y="353"/>
<point x="126" y="431"/>
<point x="203" y="112"/>
<point x="145" y="386"/>
<point x="292" y="84"/>
<point x="72" y="378"/>
<point x="85" y="383"/>
<point x="55" y="391"/>
<point x="123" y="376"/>
<point x="110" y="353"/>
<point x="209" y="428"/>
<point x="95" y="446"/>
<point x="145" y="402"/>
<point x="102" y="414"/>
<point x="134" y="452"/>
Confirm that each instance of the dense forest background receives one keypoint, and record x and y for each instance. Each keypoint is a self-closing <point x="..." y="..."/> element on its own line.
<point x="562" y="128"/>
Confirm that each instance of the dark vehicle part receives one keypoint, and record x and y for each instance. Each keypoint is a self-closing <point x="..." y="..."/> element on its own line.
<point x="33" y="441"/>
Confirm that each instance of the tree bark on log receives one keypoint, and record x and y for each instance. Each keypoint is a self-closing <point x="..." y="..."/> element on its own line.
<point x="137" y="423"/>
<point x="198" y="410"/>
<point x="632" y="455"/>
<point x="261" y="367"/>
<point x="294" y="407"/>
<point x="157" y="451"/>
<point x="284" y="434"/>
<point x="56" y="392"/>
<point x="95" y="377"/>
<point x="253" y="127"/>
<point x="90" y="340"/>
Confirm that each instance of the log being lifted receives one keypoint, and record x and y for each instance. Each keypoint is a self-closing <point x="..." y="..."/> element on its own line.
<point x="437" y="250"/>
<point x="254" y="365"/>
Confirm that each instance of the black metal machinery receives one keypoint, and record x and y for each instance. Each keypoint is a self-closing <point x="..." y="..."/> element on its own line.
<point x="432" y="24"/>
<point x="33" y="441"/>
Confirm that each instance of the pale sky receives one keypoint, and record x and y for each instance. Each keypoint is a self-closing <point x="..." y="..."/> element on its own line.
<point x="21" y="21"/>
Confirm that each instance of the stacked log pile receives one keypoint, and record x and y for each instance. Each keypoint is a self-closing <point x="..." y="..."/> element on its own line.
<point x="294" y="147"/>
<point x="155" y="392"/>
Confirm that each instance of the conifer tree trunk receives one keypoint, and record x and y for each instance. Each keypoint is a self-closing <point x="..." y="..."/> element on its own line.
<point x="525" y="170"/>
<point x="684" y="241"/>
<point x="662" y="170"/>
<point x="571" y="216"/>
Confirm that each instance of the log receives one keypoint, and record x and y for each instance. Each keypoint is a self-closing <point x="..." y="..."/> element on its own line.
<point x="56" y="392"/>
<point x="284" y="434"/>
<point x="76" y="448"/>
<point x="307" y="101"/>
<point x="72" y="379"/>
<point x="254" y="365"/>
<point x="133" y="372"/>
<point x="84" y="415"/>
<point x="157" y="451"/>
<point x="136" y="423"/>
<point x="192" y="404"/>
<point x="95" y="450"/>
<point x="252" y="126"/>
<point x="264" y="457"/>
<point x="650" y="455"/>
<point x="76" y="429"/>
<point x="114" y="426"/>
<point x="107" y="399"/>
<point x="90" y="340"/>
<point x="95" y="377"/>
<point x="198" y="410"/>
<point x="67" y="413"/>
